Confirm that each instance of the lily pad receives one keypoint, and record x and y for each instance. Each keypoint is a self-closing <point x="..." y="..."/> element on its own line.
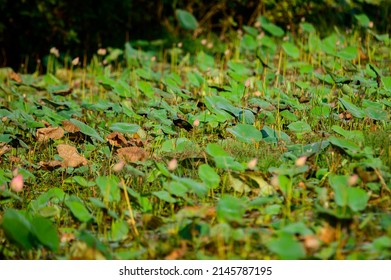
<point x="246" y="133"/>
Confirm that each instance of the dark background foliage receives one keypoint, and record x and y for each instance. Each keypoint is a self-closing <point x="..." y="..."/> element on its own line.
<point x="29" y="28"/>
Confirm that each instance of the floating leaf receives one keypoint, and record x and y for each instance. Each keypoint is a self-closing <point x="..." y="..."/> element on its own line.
<point x="291" y="50"/>
<point x="87" y="130"/>
<point x="82" y="181"/>
<point x="17" y="228"/>
<point x="109" y="188"/>
<point x="196" y="187"/>
<point x="355" y="135"/>
<point x="230" y="209"/>
<point x="49" y="211"/>
<point x="165" y="196"/>
<point x="119" y="230"/>
<point x="215" y="150"/>
<point x="246" y="133"/>
<point x="353" y="197"/>
<point x="363" y="20"/>
<point x="186" y="19"/>
<point x="339" y="183"/>
<point x="271" y="27"/>
<point x="376" y="114"/>
<point x="271" y="135"/>
<point x="125" y="127"/>
<point x="176" y="188"/>
<point x="348" y="146"/>
<point x="209" y="176"/>
<point x="299" y="127"/>
<point x="307" y="27"/>
<point x="246" y="116"/>
<point x="227" y="162"/>
<point x="357" y="199"/>
<point x="353" y="109"/>
<point x="348" y="53"/>
<point x="248" y="42"/>
<point x="264" y="188"/>
<point x="79" y="210"/>
<point x="297" y="228"/>
<point x="45" y="232"/>
<point x="286" y="247"/>
<point x="387" y="83"/>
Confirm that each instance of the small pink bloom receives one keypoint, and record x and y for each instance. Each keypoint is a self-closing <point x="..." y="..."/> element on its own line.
<point x="196" y="122"/>
<point x="353" y="180"/>
<point x="102" y="51"/>
<point x="301" y="161"/>
<point x="172" y="164"/>
<point x="75" y="61"/>
<point x="54" y="51"/>
<point x="17" y="183"/>
<point x="252" y="163"/>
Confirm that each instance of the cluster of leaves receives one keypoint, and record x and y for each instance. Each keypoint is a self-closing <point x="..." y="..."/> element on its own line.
<point x="278" y="149"/>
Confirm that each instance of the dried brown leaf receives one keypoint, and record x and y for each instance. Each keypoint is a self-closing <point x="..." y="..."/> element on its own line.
<point x="15" y="77"/>
<point x="71" y="156"/>
<point x="70" y="127"/>
<point x="327" y="233"/>
<point x="44" y="134"/>
<point x="4" y="148"/>
<point x="311" y="243"/>
<point x="50" y="165"/>
<point x="117" y="139"/>
<point x="178" y="253"/>
<point x="63" y="92"/>
<point x="132" y="154"/>
<point x="14" y="159"/>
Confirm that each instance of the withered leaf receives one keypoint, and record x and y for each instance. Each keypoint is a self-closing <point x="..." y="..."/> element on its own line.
<point x="50" y="165"/>
<point x="15" y="77"/>
<point x="327" y="233"/>
<point x="62" y="92"/>
<point x="117" y="139"/>
<point x="70" y="127"/>
<point x="178" y="253"/>
<point x="44" y="134"/>
<point x="4" y="148"/>
<point x="132" y="154"/>
<point x="71" y="156"/>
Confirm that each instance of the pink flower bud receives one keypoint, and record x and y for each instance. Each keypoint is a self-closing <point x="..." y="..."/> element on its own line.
<point x="196" y="122"/>
<point x="172" y="164"/>
<point x="75" y="61"/>
<point x="252" y="163"/>
<point x="301" y="161"/>
<point x="17" y="183"/>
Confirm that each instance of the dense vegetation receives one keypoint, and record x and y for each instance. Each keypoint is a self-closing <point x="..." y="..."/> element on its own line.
<point x="271" y="144"/>
<point x="28" y="29"/>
